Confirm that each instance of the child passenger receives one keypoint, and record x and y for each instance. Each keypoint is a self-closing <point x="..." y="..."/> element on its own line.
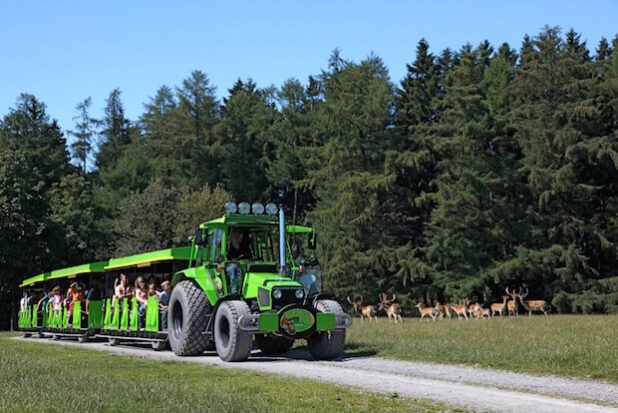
<point x="164" y="298"/>
<point x="141" y="294"/>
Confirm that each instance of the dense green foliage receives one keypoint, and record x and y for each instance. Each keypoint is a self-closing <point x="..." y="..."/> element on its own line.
<point x="481" y="169"/>
<point x="563" y="345"/>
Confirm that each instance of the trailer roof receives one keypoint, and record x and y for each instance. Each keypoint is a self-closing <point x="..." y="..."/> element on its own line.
<point x="91" y="268"/>
<point x="29" y="282"/>
<point x="148" y="258"/>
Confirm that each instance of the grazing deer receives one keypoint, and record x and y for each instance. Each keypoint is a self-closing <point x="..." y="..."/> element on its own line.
<point x="461" y="309"/>
<point x="499" y="307"/>
<point x="443" y="310"/>
<point x="430" y="311"/>
<point x="392" y="309"/>
<point x="511" y="305"/>
<point x="532" y="305"/>
<point x="368" y="311"/>
<point x="484" y="312"/>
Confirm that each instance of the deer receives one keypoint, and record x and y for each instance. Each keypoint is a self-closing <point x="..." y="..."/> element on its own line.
<point x="368" y="311"/>
<point x="484" y="312"/>
<point x="392" y="309"/>
<point x="430" y="311"/>
<point x="443" y="310"/>
<point x="532" y="305"/>
<point x="461" y="309"/>
<point x="499" y="307"/>
<point x="474" y="310"/>
<point x="511" y="305"/>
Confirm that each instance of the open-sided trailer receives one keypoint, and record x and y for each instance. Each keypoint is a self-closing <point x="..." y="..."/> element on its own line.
<point x="29" y="320"/>
<point x="82" y="324"/>
<point x="120" y="321"/>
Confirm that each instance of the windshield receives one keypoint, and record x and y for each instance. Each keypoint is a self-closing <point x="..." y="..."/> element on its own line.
<point x="252" y="243"/>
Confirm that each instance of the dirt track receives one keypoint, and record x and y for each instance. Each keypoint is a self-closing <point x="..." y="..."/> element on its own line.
<point x="474" y="388"/>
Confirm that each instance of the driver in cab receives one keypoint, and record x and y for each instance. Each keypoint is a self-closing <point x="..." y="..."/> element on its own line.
<point x="239" y="248"/>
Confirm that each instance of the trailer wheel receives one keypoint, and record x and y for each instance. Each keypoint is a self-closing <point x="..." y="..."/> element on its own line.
<point x="231" y="342"/>
<point x="329" y="344"/>
<point x="27" y="335"/>
<point x="273" y="345"/>
<point x="82" y="339"/>
<point x="57" y="336"/>
<point x="113" y="342"/>
<point x="188" y="313"/>
<point x="159" y="345"/>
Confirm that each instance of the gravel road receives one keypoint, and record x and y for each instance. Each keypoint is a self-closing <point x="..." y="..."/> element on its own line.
<point x="478" y="389"/>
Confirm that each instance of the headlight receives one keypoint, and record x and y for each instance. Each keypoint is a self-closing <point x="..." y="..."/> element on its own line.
<point x="276" y="294"/>
<point x="299" y="293"/>
<point x="244" y="208"/>
<point x="271" y="209"/>
<point x="230" y="207"/>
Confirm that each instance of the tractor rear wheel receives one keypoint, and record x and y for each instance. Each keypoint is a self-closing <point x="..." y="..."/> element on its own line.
<point x="188" y="316"/>
<point x="273" y="345"/>
<point x="233" y="344"/>
<point x="328" y="344"/>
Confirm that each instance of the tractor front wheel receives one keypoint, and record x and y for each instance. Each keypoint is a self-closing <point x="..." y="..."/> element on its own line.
<point x="328" y="344"/>
<point x="273" y="345"/>
<point x="232" y="343"/>
<point x="188" y="315"/>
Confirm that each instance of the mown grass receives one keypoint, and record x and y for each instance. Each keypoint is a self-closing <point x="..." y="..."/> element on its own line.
<point x="583" y="346"/>
<point x="41" y="377"/>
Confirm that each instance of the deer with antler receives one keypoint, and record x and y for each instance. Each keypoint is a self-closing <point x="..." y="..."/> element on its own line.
<point x="532" y="305"/>
<point x="368" y="311"/>
<point x="511" y="305"/>
<point x="499" y="307"/>
<point x="392" y="309"/>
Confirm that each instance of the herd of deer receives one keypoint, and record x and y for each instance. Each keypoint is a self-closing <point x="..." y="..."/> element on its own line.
<point x="463" y="309"/>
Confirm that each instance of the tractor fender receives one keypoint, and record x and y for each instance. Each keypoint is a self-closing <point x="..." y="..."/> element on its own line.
<point x="202" y="277"/>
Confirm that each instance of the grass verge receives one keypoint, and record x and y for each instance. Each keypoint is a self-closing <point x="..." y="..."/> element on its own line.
<point x="568" y="345"/>
<point x="38" y="376"/>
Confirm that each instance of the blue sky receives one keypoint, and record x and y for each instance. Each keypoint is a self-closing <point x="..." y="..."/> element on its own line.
<point x="63" y="51"/>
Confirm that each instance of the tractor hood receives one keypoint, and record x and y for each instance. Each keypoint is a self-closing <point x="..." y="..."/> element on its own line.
<point x="271" y="290"/>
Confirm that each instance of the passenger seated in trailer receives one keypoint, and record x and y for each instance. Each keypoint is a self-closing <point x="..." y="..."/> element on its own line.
<point x="120" y="289"/>
<point x="94" y="294"/>
<point x="239" y="248"/>
<point x="57" y="301"/>
<point x="141" y="294"/>
<point x="42" y="304"/>
<point x="164" y="298"/>
<point x="23" y="303"/>
<point x="76" y="296"/>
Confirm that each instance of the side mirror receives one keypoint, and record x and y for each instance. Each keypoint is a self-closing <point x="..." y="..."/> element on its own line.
<point x="200" y="239"/>
<point x="313" y="241"/>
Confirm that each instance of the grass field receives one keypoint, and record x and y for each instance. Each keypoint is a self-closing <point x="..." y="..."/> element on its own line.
<point x="38" y="377"/>
<point x="570" y="345"/>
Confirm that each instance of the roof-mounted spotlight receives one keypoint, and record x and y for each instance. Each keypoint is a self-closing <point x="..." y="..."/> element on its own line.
<point x="271" y="209"/>
<point x="244" y="208"/>
<point x="230" y="207"/>
<point x="257" y="208"/>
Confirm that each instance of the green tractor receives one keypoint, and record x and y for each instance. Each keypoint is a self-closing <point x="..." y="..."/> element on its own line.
<point x="251" y="276"/>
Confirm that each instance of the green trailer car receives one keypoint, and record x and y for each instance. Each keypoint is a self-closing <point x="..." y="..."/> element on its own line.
<point x="247" y="277"/>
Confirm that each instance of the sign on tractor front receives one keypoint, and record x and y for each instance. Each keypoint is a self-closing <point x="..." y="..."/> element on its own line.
<point x="296" y="320"/>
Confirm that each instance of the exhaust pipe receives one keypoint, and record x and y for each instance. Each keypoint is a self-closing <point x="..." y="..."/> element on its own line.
<point x="282" y="268"/>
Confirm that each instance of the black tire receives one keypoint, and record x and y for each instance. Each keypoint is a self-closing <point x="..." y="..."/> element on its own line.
<point x="113" y="342"/>
<point x="231" y="342"/>
<point x="187" y="319"/>
<point x="159" y="345"/>
<point x="273" y="345"/>
<point x="329" y="344"/>
<point x="57" y="336"/>
<point x="27" y="335"/>
<point x="82" y="339"/>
